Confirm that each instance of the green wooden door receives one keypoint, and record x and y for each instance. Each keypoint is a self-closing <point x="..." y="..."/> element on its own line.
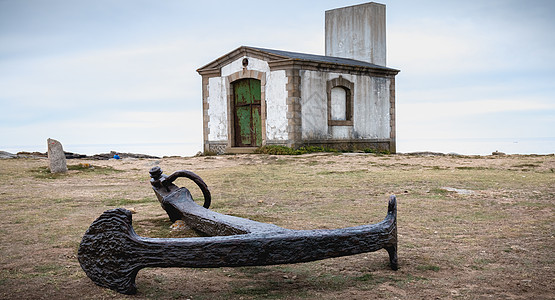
<point x="248" y="129"/>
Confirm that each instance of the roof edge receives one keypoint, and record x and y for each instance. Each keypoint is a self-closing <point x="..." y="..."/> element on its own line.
<point x="282" y="58"/>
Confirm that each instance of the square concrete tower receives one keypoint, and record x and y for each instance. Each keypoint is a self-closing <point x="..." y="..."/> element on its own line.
<point x="357" y="32"/>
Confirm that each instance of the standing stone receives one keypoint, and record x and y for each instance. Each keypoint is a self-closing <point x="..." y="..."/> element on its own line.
<point x="56" y="157"/>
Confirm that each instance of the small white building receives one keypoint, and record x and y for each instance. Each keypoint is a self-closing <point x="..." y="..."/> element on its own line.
<point x="344" y="99"/>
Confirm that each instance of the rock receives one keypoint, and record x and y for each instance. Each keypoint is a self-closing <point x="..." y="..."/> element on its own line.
<point x="426" y="153"/>
<point x="70" y="155"/>
<point x="106" y="156"/>
<point x="152" y="163"/>
<point x="5" y="155"/>
<point x="178" y="225"/>
<point x="35" y="154"/>
<point x="56" y="157"/>
<point x="458" y="191"/>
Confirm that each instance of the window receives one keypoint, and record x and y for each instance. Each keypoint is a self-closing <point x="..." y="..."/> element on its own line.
<point x="340" y="102"/>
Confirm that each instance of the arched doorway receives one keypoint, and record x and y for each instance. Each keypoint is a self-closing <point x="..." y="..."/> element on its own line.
<point x="246" y="113"/>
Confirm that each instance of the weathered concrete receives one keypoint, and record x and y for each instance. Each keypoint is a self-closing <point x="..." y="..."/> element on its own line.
<point x="275" y="97"/>
<point x="306" y="100"/>
<point x="56" y="157"/>
<point x="357" y="32"/>
<point x="217" y="110"/>
<point x="276" y="105"/>
<point x="253" y="64"/>
<point x="371" y="118"/>
<point x="338" y="104"/>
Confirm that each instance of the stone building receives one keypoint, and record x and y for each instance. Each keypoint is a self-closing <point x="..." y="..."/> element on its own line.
<point x="344" y="99"/>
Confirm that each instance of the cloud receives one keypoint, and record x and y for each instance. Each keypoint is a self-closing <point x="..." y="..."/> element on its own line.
<point x="448" y="110"/>
<point x="472" y="38"/>
<point x="116" y="128"/>
<point x="420" y="51"/>
<point x="123" y="72"/>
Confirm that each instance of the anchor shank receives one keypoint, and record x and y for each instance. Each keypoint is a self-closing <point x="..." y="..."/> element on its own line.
<point x="111" y="253"/>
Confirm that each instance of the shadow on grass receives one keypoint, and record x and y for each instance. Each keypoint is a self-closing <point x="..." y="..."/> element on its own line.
<point x="44" y="172"/>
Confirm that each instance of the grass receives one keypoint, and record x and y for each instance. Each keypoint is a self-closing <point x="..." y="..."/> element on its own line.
<point x="273" y="283"/>
<point x="118" y="202"/>
<point x="485" y="242"/>
<point x="428" y="268"/>
<point x="526" y="165"/>
<point x="44" y="172"/>
<point x="470" y="168"/>
<point x="284" y="150"/>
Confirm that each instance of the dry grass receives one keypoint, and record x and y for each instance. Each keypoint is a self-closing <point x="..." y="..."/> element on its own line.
<point x="496" y="242"/>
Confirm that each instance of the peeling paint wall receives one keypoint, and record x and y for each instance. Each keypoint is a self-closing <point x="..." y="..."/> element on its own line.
<point x="237" y="65"/>
<point x="217" y="109"/>
<point x="314" y="105"/>
<point x="275" y="96"/>
<point x="276" y="106"/>
<point x="371" y="112"/>
<point x="370" y="107"/>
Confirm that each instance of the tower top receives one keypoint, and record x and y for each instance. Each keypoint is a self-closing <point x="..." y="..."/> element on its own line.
<point x="357" y="32"/>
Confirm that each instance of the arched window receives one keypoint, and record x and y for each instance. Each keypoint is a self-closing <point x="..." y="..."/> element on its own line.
<point x="340" y="102"/>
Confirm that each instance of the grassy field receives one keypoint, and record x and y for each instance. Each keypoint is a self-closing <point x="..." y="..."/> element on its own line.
<point x="469" y="227"/>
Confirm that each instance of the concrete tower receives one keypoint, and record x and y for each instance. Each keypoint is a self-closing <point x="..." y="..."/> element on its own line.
<point x="357" y="32"/>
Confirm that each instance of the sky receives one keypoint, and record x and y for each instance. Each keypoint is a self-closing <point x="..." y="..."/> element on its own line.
<point x="121" y="75"/>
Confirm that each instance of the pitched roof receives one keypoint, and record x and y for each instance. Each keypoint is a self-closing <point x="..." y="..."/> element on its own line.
<point x="322" y="58"/>
<point x="272" y="55"/>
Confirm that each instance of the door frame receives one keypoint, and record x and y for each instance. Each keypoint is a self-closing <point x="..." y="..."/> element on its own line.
<point x="244" y="74"/>
<point x="254" y="111"/>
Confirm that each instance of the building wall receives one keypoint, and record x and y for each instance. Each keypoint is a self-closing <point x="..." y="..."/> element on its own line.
<point x="275" y="97"/>
<point x="371" y="107"/>
<point x="217" y="110"/>
<point x="276" y="107"/>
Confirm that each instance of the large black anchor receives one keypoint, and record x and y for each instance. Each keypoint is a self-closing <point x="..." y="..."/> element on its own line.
<point x="111" y="253"/>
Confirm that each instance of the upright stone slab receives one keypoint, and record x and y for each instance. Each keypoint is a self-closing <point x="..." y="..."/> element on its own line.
<point x="56" y="157"/>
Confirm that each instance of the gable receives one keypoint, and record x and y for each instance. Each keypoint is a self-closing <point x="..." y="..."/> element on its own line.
<point x="278" y="59"/>
<point x="235" y="55"/>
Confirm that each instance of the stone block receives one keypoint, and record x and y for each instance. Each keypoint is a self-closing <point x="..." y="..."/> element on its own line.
<point x="56" y="157"/>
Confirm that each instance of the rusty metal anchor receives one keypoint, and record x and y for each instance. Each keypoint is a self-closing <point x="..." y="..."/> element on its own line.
<point x="111" y="253"/>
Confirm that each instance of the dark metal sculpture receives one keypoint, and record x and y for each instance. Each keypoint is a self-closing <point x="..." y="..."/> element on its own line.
<point x="111" y="253"/>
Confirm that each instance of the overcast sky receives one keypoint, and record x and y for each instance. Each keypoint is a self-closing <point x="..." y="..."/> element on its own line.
<point x="123" y="72"/>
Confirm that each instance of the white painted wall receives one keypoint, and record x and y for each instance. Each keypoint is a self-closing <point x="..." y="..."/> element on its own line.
<point x="275" y="96"/>
<point x="338" y="104"/>
<point x="237" y="65"/>
<point x="276" y="106"/>
<point x="370" y="103"/>
<point x="341" y="132"/>
<point x="370" y="107"/>
<point x="217" y="109"/>
<point x="314" y="105"/>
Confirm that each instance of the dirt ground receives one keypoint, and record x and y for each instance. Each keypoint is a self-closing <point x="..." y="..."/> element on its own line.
<point x="470" y="227"/>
